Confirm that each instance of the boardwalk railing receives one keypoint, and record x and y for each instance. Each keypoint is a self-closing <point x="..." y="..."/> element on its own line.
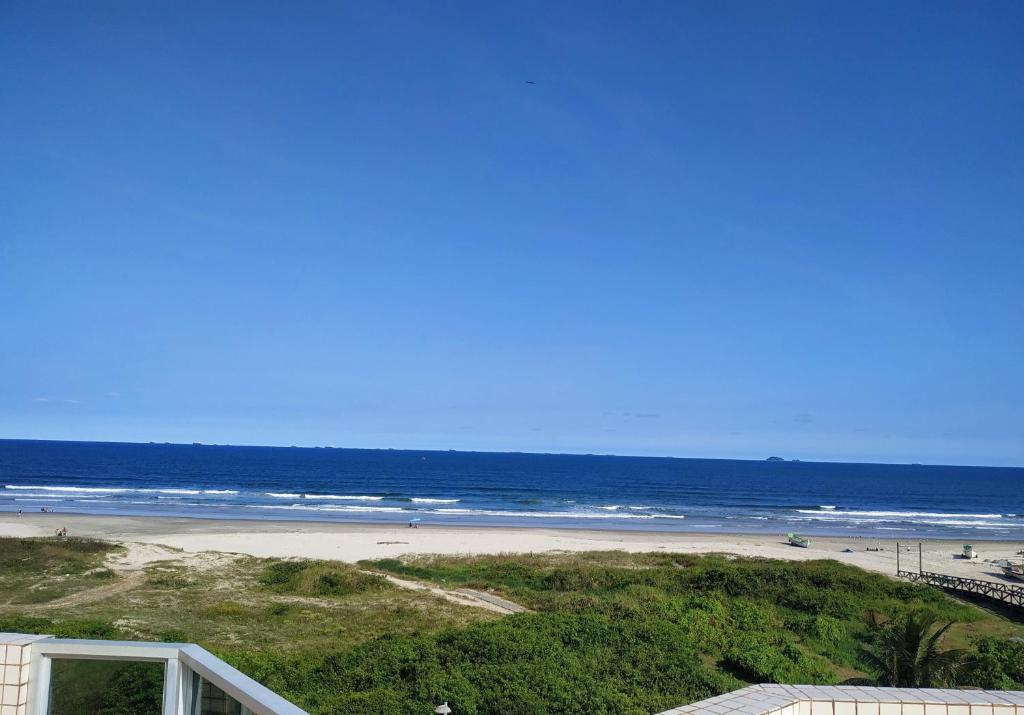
<point x="1013" y="595"/>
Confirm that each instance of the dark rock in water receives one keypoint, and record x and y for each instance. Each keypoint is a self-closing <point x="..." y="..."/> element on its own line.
<point x="775" y="459"/>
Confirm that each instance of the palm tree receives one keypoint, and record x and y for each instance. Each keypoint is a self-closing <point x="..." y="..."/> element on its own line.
<point x="907" y="653"/>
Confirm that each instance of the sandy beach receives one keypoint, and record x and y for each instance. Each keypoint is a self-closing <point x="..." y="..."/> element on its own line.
<point x="352" y="542"/>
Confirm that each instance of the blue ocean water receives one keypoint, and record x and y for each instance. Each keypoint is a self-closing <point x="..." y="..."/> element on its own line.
<point x="555" y="490"/>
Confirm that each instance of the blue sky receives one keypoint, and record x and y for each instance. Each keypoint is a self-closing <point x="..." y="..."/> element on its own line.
<point x="709" y="229"/>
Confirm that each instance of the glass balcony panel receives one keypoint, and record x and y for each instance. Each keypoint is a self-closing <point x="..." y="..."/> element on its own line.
<point x="214" y="701"/>
<point x="105" y="687"/>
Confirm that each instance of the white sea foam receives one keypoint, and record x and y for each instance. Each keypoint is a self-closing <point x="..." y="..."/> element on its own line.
<point x="87" y="490"/>
<point x="362" y="508"/>
<point x="975" y="524"/>
<point x="897" y="514"/>
<point x="191" y="492"/>
<point x="328" y="508"/>
<point x="322" y="497"/>
<point x="118" y="490"/>
<point x="550" y="514"/>
<point x="426" y="500"/>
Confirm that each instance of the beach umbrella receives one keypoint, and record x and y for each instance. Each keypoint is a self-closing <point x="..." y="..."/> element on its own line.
<point x="442" y="709"/>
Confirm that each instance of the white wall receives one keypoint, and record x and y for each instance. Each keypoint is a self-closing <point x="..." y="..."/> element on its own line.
<point x="15" y="656"/>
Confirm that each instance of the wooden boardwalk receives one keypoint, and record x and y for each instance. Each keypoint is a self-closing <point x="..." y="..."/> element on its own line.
<point x="1007" y="593"/>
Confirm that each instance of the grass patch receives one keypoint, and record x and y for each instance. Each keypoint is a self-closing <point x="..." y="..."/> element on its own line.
<point x="223" y="604"/>
<point x="320" y="578"/>
<point x="41" y="570"/>
<point x="227" y="609"/>
<point x="619" y="633"/>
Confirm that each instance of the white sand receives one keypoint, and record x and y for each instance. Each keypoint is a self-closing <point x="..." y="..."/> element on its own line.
<point x="353" y="542"/>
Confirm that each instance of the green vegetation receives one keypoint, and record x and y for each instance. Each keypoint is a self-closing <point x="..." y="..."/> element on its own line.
<point x="997" y="664"/>
<point x="608" y="633"/>
<point x="319" y="578"/>
<point x="39" y="570"/>
<point x="907" y="652"/>
<point x="221" y="601"/>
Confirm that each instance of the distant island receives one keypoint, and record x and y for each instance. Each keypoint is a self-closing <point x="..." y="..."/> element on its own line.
<point x="775" y="459"/>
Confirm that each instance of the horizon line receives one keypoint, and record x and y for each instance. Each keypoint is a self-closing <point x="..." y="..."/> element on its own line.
<point x="442" y="450"/>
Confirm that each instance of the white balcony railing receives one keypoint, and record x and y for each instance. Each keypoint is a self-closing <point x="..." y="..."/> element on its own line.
<point x="195" y="682"/>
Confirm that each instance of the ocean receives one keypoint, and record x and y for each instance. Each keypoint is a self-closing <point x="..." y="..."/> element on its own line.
<point x="513" y="489"/>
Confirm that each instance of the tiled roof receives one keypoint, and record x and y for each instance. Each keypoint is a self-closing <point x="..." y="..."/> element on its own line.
<point x="857" y="700"/>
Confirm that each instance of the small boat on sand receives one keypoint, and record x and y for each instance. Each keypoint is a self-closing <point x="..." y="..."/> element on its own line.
<point x="969" y="552"/>
<point x="795" y="540"/>
<point x="1012" y="570"/>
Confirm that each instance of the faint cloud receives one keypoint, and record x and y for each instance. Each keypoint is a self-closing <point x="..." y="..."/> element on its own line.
<point x="41" y="399"/>
<point x="113" y="394"/>
<point x="633" y="415"/>
<point x="67" y="401"/>
<point x="803" y="418"/>
<point x="71" y="402"/>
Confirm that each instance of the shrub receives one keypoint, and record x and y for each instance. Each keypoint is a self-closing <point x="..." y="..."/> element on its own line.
<point x="761" y="659"/>
<point x="998" y="665"/>
<point x="828" y="630"/>
<point x="320" y="578"/>
<point x="227" y="609"/>
<point x="66" y="628"/>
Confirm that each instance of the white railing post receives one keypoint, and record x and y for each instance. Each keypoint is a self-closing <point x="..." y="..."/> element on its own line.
<point x="172" y="687"/>
<point x="38" y="684"/>
<point x="187" y="695"/>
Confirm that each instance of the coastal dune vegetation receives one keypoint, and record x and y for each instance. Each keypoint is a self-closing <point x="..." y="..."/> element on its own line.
<point x="604" y="632"/>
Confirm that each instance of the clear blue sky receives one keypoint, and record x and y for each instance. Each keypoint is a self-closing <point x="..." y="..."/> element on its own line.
<point x="709" y="229"/>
